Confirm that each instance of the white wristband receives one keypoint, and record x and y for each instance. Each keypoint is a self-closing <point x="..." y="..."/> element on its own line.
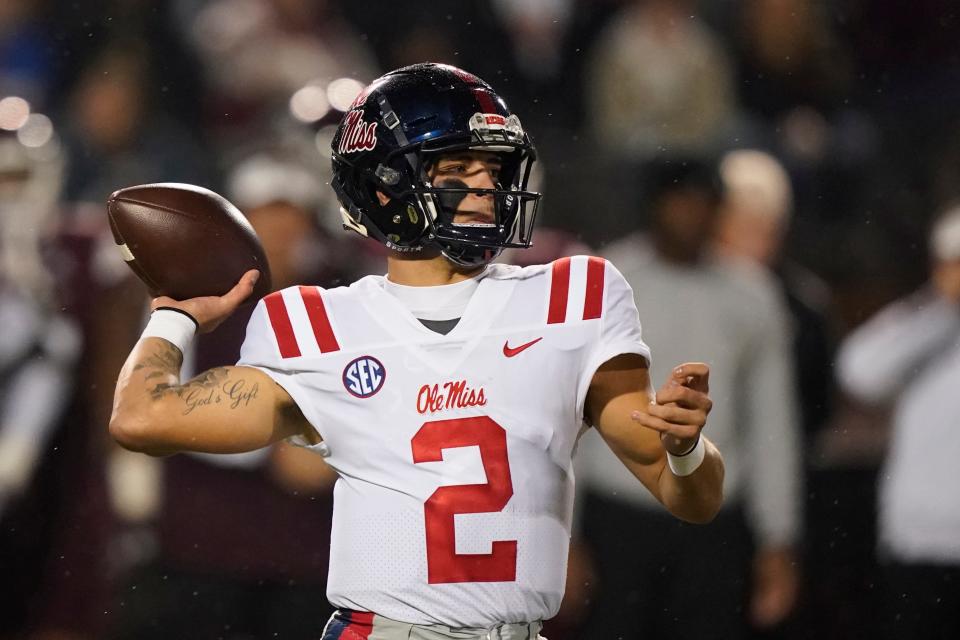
<point x="690" y="461"/>
<point x="174" y="326"/>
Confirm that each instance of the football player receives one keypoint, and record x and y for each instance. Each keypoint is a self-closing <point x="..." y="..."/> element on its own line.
<point x="449" y="395"/>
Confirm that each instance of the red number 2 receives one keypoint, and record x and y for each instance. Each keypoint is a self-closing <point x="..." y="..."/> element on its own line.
<point x="444" y="564"/>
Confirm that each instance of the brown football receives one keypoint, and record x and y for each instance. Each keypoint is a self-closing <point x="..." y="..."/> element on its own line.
<point x="185" y="241"/>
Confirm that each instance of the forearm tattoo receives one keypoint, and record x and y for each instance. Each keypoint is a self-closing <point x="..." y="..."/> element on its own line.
<point x="212" y="387"/>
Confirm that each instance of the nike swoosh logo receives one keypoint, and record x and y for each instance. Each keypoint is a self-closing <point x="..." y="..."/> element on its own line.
<point x="512" y="351"/>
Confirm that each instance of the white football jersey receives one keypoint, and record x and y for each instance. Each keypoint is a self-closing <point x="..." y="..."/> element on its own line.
<point x="454" y="451"/>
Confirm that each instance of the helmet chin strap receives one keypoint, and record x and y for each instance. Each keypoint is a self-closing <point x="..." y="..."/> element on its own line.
<point x="471" y="257"/>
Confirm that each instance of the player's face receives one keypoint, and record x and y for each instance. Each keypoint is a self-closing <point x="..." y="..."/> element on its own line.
<point x="753" y="234"/>
<point x="476" y="170"/>
<point x="684" y="221"/>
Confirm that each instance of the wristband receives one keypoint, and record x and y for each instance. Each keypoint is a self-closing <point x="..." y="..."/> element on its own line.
<point x="690" y="461"/>
<point x="173" y="325"/>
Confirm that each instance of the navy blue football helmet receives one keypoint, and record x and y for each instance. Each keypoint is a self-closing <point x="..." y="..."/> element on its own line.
<point x="391" y="136"/>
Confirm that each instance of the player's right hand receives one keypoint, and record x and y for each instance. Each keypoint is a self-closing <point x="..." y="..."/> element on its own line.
<point x="210" y="311"/>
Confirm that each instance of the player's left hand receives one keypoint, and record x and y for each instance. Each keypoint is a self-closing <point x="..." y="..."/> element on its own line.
<point x="679" y="410"/>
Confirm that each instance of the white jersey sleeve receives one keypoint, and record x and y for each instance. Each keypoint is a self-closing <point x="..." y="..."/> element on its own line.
<point x="278" y="342"/>
<point x="619" y="330"/>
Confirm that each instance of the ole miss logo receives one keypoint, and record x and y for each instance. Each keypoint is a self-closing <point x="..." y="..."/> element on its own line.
<point x="364" y="376"/>
<point x="358" y="135"/>
<point x="449" y="395"/>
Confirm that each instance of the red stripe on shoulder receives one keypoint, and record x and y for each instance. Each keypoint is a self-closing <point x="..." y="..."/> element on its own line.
<point x="317" y="313"/>
<point x="282" y="327"/>
<point x="559" y="290"/>
<point x="593" y="305"/>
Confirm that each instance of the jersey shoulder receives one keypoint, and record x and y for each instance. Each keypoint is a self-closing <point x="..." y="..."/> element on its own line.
<point x="572" y="288"/>
<point x="292" y="323"/>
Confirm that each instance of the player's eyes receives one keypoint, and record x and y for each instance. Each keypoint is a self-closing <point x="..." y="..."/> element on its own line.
<point x="462" y="168"/>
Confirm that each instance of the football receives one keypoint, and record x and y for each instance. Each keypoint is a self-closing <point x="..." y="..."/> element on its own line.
<point x="184" y="241"/>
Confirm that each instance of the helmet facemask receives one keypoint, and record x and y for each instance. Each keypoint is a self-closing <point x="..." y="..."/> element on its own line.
<point x="476" y="242"/>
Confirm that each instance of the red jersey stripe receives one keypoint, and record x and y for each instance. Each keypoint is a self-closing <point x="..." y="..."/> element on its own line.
<point x="282" y="327"/>
<point x="360" y="627"/>
<point x="319" y="320"/>
<point x="559" y="289"/>
<point x="593" y="304"/>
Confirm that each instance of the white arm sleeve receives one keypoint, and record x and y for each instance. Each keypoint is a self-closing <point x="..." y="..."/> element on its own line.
<point x="876" y="359"/>
<point x="771" y="429"/>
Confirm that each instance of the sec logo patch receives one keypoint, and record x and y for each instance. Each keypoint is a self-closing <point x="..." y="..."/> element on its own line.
<point x="364" y="376"/>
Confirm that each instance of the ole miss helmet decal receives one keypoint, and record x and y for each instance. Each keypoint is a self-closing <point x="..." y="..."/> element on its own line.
<point x="364" y="376"/>
<point x="358" y="134"/>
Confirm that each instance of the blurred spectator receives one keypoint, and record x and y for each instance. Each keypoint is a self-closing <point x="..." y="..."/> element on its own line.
<point x="26" y="52"/>
<point x="39" y="345"/>
<point x="116" y="138"/>
<point x="753" y="223"/>
<point x="651" y="571"/>
<point x="81" y="29"/>
<point x="658" y="79"/>
<point x="68" y="519"/>
<point x="754" y="220"/>
<point x="793" y="77"/>
<point x="908" y="357"/>
<point x="536" y="29"/>
<point x="259" y="53"/>
<point x="55" y="529"/>
<point x="39" y="348"/>
<point x="789" y="57"/>
<point x="232" y="529"/>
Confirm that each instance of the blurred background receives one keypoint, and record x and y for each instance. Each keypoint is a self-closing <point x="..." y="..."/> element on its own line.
<point x="809" y="147"/>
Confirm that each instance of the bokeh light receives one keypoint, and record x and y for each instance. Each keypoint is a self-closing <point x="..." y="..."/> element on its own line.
<point x="342" y="92"/>
<point x="309" y="104"/>
<point x="36" y="131"/>
<point x="14" y="112"/>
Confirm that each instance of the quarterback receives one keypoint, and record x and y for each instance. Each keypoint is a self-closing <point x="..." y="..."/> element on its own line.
<point x="449" y="395"/>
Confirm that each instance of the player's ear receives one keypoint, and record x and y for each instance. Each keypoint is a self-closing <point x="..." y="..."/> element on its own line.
<point x="383" y="198"/>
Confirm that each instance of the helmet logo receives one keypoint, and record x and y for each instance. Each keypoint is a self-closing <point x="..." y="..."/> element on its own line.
<point x="493" y="127"/>
<point x="358" y="135"/>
